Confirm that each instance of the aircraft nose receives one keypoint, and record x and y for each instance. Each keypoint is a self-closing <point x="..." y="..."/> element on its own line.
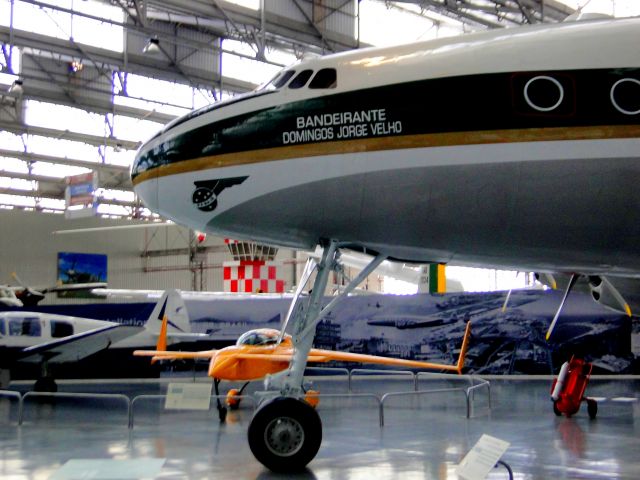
<point x="147" y="191"/>
<point x="145" y="184"/>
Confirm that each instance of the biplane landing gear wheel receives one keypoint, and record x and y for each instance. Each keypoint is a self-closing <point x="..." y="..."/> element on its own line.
<point x="556" y="410"/>
<point x="285" y="434"/>
<point x="592" y="408"/>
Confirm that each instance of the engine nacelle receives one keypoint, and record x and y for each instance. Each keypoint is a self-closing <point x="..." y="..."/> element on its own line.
<point x="603" y="292"/>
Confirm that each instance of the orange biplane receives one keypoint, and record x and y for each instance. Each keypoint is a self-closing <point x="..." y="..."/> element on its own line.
<point x="258" y="353"/>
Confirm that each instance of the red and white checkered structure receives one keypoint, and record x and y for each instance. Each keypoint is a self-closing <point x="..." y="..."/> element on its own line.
<point x="251" y="276"/>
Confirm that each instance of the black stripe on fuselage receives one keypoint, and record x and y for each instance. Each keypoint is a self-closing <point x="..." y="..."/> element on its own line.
<point x="499" y="101"/>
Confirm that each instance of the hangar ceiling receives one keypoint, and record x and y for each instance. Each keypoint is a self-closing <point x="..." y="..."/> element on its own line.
<point x="94" y="62"/>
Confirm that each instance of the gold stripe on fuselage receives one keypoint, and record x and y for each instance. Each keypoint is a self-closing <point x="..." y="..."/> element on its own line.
<point x="391" y="143"/>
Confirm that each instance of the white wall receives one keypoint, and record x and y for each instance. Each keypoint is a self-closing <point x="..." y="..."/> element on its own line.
<point x="28" y="247"/>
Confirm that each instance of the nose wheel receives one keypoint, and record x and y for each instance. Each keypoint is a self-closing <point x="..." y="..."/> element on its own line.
<point x="285" y="434"/>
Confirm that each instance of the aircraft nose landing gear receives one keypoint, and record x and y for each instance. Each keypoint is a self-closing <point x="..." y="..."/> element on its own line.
<point x="285" y="434"/>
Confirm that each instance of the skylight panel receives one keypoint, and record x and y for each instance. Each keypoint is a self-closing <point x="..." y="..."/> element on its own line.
<point x="11" y="141"/>
<point x="13" y="165"/>
<point x="123" y="158"/>
<point x="252" y="4"/>
<point x="44" y="21"/>
<point x="128" y="128"/>
<point x="150" y="105"/>
<point x="159" y="90"/>
<point x="63" y="148"/>
<point x="113" y="210"/>
<point x="18" y="184"/>
<point x="56" y="170"/>
<point x="246" y="69"/>
<point x="52" y="204"/>
<point x="66" y="118"/>
<point x="121" y="195"/>
<point x="17" y="200"/>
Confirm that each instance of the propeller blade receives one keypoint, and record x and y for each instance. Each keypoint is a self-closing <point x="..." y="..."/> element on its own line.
<point x="506" y="301"/>
<point x="617" y="296"/>
<point x="572" y="282"/>
<point x="15" y="276"/>
<point x="551" y="280"/>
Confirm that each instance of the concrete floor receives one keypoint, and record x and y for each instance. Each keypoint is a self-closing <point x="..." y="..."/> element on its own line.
<point x="423" y="438"/>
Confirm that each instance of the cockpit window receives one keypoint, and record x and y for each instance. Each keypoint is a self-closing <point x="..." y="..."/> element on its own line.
<point x="282" y="79"/>
<point x="29" y="327"/>
<point x="325" y="78"/>
<point x="2" y="330"/>
<point x="61" y="329"/>
<point x="301" y="79"/>
<point x="256" y="338"/>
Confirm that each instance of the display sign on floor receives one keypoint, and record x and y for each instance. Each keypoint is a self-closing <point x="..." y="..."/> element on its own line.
<point x="482" y="458"/>
<point x="109" y="469"/>
<point x="188" y="396"/>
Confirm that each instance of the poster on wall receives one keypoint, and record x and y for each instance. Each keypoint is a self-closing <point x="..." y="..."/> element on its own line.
<point x="81" y="268"/>
<point x="429" y="327"/>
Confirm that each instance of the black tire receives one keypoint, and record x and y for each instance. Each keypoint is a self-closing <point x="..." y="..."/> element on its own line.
<point x="285" y="434"/>
<point x="45" y="385"/>
<point x="592" y="408"/>
<point x="555" y="409"/>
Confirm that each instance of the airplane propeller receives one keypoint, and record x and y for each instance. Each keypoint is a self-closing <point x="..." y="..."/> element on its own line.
<point x="601" y="290"/>
<point x="572" y="282"/>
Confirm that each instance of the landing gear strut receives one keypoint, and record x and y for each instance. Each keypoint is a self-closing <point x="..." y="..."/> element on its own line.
<point x="286" y="432"/>
<point x="46" y="382"/>
<point x="222" y="411"/>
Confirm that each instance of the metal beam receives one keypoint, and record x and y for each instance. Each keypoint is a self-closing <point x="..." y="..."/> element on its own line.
<point x="139" y="64"/>
<point x="36" y="157"/>
<point x="59" y="183"/>
<point x="278" y="28"/>
<point x="21" y="129"/>
<point x="94" y="104"/>
<point x="54" y="196"/>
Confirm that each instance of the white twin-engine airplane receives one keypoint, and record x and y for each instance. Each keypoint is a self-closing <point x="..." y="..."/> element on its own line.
<point x="514" y="148"/>
<point x="49" y="339"/>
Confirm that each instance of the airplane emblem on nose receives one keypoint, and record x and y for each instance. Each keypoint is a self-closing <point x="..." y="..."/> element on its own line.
<point x="205" y="196"/>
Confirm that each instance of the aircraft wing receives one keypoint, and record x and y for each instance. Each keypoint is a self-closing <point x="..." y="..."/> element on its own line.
<point x="174" y="355"/>
<point x="78" y="346"/>
<point x="330" y="355"/>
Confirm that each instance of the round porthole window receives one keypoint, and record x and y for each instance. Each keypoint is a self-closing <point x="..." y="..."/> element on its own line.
<point x="543" y="93"/>
<point x="625" y="96"/>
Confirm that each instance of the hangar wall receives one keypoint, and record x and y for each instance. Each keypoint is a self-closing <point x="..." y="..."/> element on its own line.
<point x="28" y="247"/>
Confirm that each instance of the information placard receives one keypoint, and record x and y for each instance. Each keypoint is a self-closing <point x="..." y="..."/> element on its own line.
<point x="188" y="396"/>
<point x="482" y="458"/>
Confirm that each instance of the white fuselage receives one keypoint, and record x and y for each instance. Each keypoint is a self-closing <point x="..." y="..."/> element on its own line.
<point x="506" y="148"/>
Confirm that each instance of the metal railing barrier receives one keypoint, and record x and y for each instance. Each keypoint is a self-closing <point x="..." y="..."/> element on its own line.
<point x="164" y="396"/>
<point x="75" y="396"/>
<point x="15" y="395"/>
<point x="369" y="372"/>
